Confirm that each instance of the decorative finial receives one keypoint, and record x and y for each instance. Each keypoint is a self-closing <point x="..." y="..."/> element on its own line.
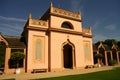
<point x="90" y="28"/>
<point x="51" y="5"/>
<point x="79" y="12"/>
<point x="30" y="16"/>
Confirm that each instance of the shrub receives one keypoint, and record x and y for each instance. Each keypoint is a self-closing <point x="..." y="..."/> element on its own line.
<point x="98" y="56"/>
<point x="112" y="62"/>
<point x="16" y="57"/>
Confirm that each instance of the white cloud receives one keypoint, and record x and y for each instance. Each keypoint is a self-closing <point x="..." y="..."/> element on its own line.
<point x="110" y="27"/>
<point x="14" y="26"/>
<point x="96" y="25"/>
<point x="12" y="19"/>
<point x="8" y="30"/>
<point x="99" y="37"/>
<point x="11" y="29"/>
<point x="99" y="22"/>
<point x="76" y="5"/>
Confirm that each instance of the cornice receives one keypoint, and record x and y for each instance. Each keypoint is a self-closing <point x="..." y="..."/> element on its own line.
<point x="70" y="32"/>
<point x="65" y="31"/>
<point x="67" y="17"/>
<point x="88" y="36"/>
<point x="48" y="30"/>
<point x="37" y="28"/>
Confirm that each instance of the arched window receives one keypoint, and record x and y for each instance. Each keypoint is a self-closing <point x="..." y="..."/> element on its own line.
<point x="67" y="25"/>
<point x="38" y="49"/>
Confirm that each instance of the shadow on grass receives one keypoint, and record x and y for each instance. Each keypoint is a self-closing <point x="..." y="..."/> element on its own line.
<point x="9" y="79"/>
<point x="113" y="74"/>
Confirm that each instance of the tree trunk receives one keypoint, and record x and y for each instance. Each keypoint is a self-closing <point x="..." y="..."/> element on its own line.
<point x="99" y="62"/>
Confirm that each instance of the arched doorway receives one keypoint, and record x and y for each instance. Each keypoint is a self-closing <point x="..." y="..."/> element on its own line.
<point x="67" y="55"/>
<point x="102" y="51"/>
<point x="94" y="58"/>
<point x="114" y="54"/>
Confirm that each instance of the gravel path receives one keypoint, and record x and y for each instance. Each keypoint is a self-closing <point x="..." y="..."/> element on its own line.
<point x="27" y="76"/>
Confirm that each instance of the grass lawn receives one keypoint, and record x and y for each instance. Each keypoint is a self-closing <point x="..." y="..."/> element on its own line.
<point x="102" y="75"/>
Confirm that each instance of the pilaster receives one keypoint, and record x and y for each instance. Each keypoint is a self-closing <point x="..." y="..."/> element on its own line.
<point x="106" y="59"/>
<point x="7" y="58"/>
<point x="111" y="55"/>
<point x="117" y="57"/>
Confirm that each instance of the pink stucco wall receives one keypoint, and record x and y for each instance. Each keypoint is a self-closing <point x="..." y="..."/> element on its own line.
<point x="54" y="38"/>
<point x="31" y="62"/>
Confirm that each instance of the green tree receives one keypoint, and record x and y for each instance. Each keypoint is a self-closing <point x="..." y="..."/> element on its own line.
<point x="16" y="57"/>
<point x="99" y="57"/>
<point x="118" y="43"/>
<point x="98" y="43"/>
<point x="110" y="42"/>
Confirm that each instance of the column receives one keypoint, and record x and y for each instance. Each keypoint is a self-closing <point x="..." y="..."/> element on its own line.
<point x="62" y="58"/>
<point x="74" y="59"/>
<point x="25" y="65"/>
<point x="111" y="55"/>
<point x="98" y="52"/>
<point x="7" y="57"/>
<point x="106" y="59"/>
<point x="117" y="57"/>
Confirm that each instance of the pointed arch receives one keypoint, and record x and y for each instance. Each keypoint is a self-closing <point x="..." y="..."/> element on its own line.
<point x="68" y="42"/>
<point x="2" y="39"/>
<point x="101" y="46"/>
<point x="68" y="49"/>
<point x="102" y="50"/>
<point x="114" y="47"/>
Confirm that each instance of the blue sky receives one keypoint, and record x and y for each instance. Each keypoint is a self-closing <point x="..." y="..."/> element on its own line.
<point x="102" y="15"/>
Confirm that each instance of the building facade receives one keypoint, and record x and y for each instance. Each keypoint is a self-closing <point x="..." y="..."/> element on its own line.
<point x="8" y="45"/>
<point x="109" y="53"/>
<point x="57" y="41"/>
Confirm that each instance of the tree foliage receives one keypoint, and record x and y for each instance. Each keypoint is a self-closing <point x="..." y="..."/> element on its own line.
<point x="118" y="43"/>
<point x="99" y="56"/>
<point x="16" y="57"/>
<point x="109" y="42"/>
